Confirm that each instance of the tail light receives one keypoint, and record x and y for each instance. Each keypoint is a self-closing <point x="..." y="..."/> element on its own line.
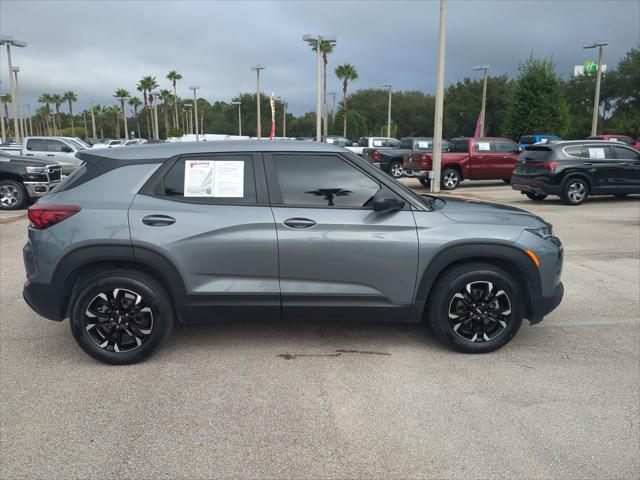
<point x="425" y="160"/>
<point x="44" y="216"/>
<point x="376" y="156"/>
<point x="551" y="166"/>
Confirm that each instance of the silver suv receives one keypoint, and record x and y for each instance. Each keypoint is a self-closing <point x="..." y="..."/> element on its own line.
<point x="139" y="237"/>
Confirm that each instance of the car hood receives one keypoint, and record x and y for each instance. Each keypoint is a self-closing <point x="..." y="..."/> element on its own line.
<point x="30" y="162"/>
<point x="476" y="211"/>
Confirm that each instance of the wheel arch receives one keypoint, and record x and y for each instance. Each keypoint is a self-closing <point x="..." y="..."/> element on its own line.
<point x="576" y="174"/>
<point x="505" y="256"/>
<point x="453" y="166"/>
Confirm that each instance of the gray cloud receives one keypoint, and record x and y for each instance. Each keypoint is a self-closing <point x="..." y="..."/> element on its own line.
<point x="94" y="47"/>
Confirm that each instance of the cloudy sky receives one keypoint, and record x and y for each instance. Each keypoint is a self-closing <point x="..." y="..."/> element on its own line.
<point x="93" y="47"/>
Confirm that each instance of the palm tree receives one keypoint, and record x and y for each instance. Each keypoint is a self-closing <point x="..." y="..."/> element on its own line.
<point x="47" y="99"/>
<point x="347" y="73"/>
<point x="121" y="94"/>
<point x="174" y="76"/>
<point x="146" y="85"/>
<point x="114" y="110"/>
<point x="135" y="102"/>
<point x="98" y="112"/>
<point x="166" y="95"/>
<point x="326" y="47"/>
<point x="70" y="97"/>
<point x="57" y="101"/>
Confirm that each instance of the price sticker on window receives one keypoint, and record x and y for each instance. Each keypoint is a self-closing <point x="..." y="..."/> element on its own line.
<point x="208" y="178"/>
<point x="596" y="152"/>
<point x="483" y="146"/>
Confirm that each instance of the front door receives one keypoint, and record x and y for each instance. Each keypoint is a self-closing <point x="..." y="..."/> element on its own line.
<point x="629" y="160"/>
<point x="217" y="229"/>
<point x="338" y="258"/>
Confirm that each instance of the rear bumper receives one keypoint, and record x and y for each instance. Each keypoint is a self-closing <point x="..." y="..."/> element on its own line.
<point x="536" y="185"/>
<point x="545" y="305"/>
<point x="45" y="300"/>
<point x="416" y="172"/>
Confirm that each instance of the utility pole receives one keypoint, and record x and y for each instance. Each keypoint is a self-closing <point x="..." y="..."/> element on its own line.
<point x="9" y="41"/>
<point x="257" y="69"/>
<point x="596" y="100"/>
<point x="195" y="106"/>
<point x="388" y="85"/>
<point x="437" y="134"/>
<point x="485" y="69"/>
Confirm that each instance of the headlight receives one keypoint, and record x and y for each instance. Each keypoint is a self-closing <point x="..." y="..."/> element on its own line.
<point x="36" y="169"/>
<point x="542" y="232"/>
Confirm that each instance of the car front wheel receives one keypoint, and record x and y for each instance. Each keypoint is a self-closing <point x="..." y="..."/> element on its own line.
<point x="475" y="308"/>
<point x="121" y="316"/>
<point x="450" y="179"/>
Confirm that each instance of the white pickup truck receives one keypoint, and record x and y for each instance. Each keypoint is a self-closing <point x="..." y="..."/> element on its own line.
<point x="372" y="142"/>
<point x="61" y="150"/>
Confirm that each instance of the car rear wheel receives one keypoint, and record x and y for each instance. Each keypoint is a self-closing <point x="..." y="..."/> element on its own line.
<point x="575" y="191"/>
<point x="396" y="170"/>
<point x="506" y="180"/>
<point x="538" y="197"/>
<point x="425" y="181"/>
<point x="475" y="308"/>
<point x="13" y="195"/>
<point x="121" y="316"/>
<point x="450" y="179"/>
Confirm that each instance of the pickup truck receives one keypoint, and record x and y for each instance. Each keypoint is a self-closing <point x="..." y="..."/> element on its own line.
<point x="60" y="150"/>
<point x="23" y="179"/>
<point x="390" y="159"/>
<point x="625" y="139"/>
<point x="485" y="158"/>
<point x="372" y="142"/>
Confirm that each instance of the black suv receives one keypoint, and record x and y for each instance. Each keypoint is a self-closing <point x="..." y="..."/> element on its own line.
<point x="576" y="169"/>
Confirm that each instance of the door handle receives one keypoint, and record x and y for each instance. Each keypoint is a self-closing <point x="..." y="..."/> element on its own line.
<point x="623" y="164"/>
<point x="299" y="222"/>
<point x="29" y="154"/>
<point x="50" y="155"/>
<point x="587" y="163"/>
<point x="158" y="220"/>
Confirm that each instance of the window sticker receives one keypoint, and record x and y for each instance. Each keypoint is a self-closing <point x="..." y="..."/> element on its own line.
<point x="483" y="146"/>
<point x="228" y="179"/>
<point x="377" y="143"/>
<point x="198" y="178"/>
<point x="208" y="178"/>
<point x="596" y="152"/>
<point x="424" y="144"/>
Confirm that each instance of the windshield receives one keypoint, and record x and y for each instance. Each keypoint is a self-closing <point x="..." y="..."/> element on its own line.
<point x="75" y="144"/>
<point x="82" y="142"/>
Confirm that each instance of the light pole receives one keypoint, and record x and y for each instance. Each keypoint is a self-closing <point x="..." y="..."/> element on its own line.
<point x="3" y="133"/>
<point x="284" y="116"/>
<point x="316" y="40"/>
<point x="195" y="106"/>
<point x="84" y="119"/>
<point x="239" y="117"/>
<point x="187" y="117"/>
<point x="388" y="85"/>
<point x="483" y="109"/>
<point x="257" y="69"/>
<point x="333" y="107"/>
<point x="437" y="130"/>
<point x="16" y="70"/>
<point x="154" y="101"/>
<point x="30" y="121"/>
<point x="9" y="42"/>
<point x="596" y="100"/>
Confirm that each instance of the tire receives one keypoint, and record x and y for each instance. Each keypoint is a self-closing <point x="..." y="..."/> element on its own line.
<point x="13" y="195"/>
<point x="425" y="181"/>
<point x="114" y="341"/>
<point x="448" y="303"/>
<point x="538" y="197"/>
<point x="450" y="179"/>
<point x="396" y="170"/>
<point x="575" y="191"/>
<point x="506" y="180"/>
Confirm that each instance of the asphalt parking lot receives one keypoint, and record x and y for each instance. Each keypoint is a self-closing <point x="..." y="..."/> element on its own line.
<point x="310" y="400"/>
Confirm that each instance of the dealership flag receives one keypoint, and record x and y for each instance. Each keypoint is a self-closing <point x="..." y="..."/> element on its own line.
<point x="477" y="132"/>
<point x="272" y="102"/>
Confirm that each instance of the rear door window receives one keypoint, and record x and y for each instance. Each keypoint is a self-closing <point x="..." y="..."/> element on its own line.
<point x="35" y="145"/>
<point x="505" y="146"/>
<point x="460" y="146"/>
<point x="599" y="152"/>
<point x="484" y="145"/>
<point x="575" y="151"/>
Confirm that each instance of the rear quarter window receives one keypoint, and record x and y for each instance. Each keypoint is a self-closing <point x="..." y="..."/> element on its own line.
<point x="536" y="154"/>
<point x="35" y="145"/>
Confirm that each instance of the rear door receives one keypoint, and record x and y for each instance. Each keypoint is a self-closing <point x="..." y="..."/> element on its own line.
<point x="338" y="258"/>
<point x="209" y="216"/>
<point x="35" y="147"/>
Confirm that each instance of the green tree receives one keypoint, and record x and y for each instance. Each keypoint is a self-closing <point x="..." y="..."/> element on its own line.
<point x="47" y="99"/>
<point x="623" y="87"/>
<point x="122" y="94"/>
<point x="174" y="76"/>
<point x="57" y="101"/>
<point x="5" y="99"/>
<point x="70" y="97"/>
<point x="166" y="96"/>
<point x="538" y="103"/>
<point x="146" y="85"/>
<point x="347" y="73"/>
<point x="114" y="112"/>
<point x="135" y="102"/>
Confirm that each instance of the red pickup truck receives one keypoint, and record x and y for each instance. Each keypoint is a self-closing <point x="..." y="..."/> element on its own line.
<point x="485" y="158"/>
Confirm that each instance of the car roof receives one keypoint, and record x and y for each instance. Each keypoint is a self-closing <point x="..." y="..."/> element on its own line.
<point x="163" y="151"/>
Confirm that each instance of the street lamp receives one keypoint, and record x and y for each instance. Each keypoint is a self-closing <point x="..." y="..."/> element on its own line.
<point x="18" y="106"/>
<point x="596" y="100"/>
<point x="388" y="85"/>
<point x="3" y="133"/>
<point x="9" y="42"/>
<point x="257" y="68"/>
<point x="239" y="117"/>
<point x="333" y="107"/>
<point x="284" y="117"/>
<point x="93" y="123"/>
<point x="316" y="40"/>
<point x="195" y="103"/>
<point x="485" y="69"/>
<point x="437" y="129"/>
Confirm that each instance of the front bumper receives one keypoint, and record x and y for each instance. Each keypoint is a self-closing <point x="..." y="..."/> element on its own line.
<point x="414" y="172"/>
<point x="545" y="305"/>
<point x="38" y="189"/>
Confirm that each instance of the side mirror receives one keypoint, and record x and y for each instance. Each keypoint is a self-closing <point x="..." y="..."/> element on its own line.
<point x="66" y="149"/>
<point x="384" y="201"/>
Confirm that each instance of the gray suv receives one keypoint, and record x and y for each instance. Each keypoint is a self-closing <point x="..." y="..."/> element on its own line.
<point x="139" y="237"/>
